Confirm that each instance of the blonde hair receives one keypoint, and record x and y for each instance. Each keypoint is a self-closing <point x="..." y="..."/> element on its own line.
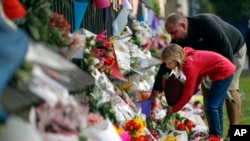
<point x="174" y="52"/>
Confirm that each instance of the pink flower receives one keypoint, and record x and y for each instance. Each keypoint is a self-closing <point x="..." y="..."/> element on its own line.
<point x="61" y="119"/>
<point x="94" y="118"/>
<point x="101" y="36"/>
<point x="99" y="53"/>
<point x="107" y="43"/>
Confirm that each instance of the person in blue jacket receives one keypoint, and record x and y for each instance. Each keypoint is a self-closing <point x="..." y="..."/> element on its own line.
<point x="13" y="48"/>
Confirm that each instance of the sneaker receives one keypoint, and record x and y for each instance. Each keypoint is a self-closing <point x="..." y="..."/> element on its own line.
<point x="215" y="138"/>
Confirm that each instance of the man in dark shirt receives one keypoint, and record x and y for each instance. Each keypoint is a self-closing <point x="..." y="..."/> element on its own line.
<point x="208" y="32"/>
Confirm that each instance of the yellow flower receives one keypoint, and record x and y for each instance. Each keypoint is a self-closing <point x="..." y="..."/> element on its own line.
<point x="118" y="130"/>
<point x="143" y="125"/>
<point x="171" y="138"/>
<point x="135" y="127"/>
<point x="127" y="86"/>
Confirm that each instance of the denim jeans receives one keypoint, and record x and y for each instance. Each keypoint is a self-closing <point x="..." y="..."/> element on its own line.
<point x="214" y="105"/>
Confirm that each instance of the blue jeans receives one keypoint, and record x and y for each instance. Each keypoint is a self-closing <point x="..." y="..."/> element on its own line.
<point x="214" y="105"/>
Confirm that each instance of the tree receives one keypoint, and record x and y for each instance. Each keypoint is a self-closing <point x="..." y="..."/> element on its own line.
<point x="233" y="9"/>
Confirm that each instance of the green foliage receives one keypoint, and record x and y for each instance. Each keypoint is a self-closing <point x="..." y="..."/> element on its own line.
<point x="22" y="75"/>
<point x="103" y="108"/>
<point x="155" y="52"/>
<point x="56" y="38"/>
<point x="1" y="127"/>
<point x="38" y="23"/>
<point x="227" y="8"/>
<point x="206" y="6"/>
<point x="155" y="5"/>
<point x="37" y="19"/>
<point x="161" y="126"/>
<point x="245" y="108"/>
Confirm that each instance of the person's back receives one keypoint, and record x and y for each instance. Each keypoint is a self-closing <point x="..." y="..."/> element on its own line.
<point x="207" y="20"/>
<point x="209" y="32"/>
<point x="198" y="64"/>
<point x="207" y="63"/>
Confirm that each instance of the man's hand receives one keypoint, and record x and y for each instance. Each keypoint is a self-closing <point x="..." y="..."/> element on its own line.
<point x="169" y="110"/>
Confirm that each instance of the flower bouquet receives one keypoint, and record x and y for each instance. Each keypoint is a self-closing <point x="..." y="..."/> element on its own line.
<point x="192" y="124"/>
<point x="126" y="93"/>
<point x="76" y="46"/>
<point x="136" y="128"/>
<point x="143" y="34"/>
<point x="99" y="54"/>
<point x="159" y="123"/>
<point x="61" y="123"/>
<point x="122" y="54"/>
<point x="174" y="135"/>
<point x="183" y="124"/>
<point x="59" y="30"/>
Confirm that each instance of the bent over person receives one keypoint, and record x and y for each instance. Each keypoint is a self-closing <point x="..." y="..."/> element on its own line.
<point x="195" y="65"/>
<point x="209" y="32"/>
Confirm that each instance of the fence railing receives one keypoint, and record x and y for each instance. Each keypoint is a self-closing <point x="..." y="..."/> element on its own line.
<point x="95" y="20"/>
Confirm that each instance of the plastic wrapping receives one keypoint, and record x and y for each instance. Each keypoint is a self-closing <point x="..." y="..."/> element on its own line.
<point x="103" y="131"/>
<point x="122" y="54"/>
<point x="104" y="91"/>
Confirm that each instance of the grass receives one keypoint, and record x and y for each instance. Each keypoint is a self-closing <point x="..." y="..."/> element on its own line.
<point x="245" y="102"/>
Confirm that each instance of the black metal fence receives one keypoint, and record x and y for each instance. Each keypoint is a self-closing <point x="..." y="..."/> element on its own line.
<point x="95" y="20"/>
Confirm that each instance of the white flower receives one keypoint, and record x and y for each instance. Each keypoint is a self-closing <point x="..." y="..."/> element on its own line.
<point x="92" y="42"/>
<point x="91" y="68"/>
<point x="96" y="61"/>
<point x="143" y="33"/>
<point x="148" y="54"/>
<point x="86" y="50"/>
<point x="160" y="114"/>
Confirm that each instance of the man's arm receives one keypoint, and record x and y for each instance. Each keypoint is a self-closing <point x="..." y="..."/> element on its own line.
<point x="158" y="83"/>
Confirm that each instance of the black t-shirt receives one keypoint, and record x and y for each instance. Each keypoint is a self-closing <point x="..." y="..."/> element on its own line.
<point x="159" y="77"/>
<point x="209" y="32"/>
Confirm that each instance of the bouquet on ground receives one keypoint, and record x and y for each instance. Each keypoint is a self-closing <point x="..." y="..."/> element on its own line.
<point x="192" y="125"/>
<point x="136" y="127"/>
<point x="62" y="121"/>
<point x="159" y="123"/>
